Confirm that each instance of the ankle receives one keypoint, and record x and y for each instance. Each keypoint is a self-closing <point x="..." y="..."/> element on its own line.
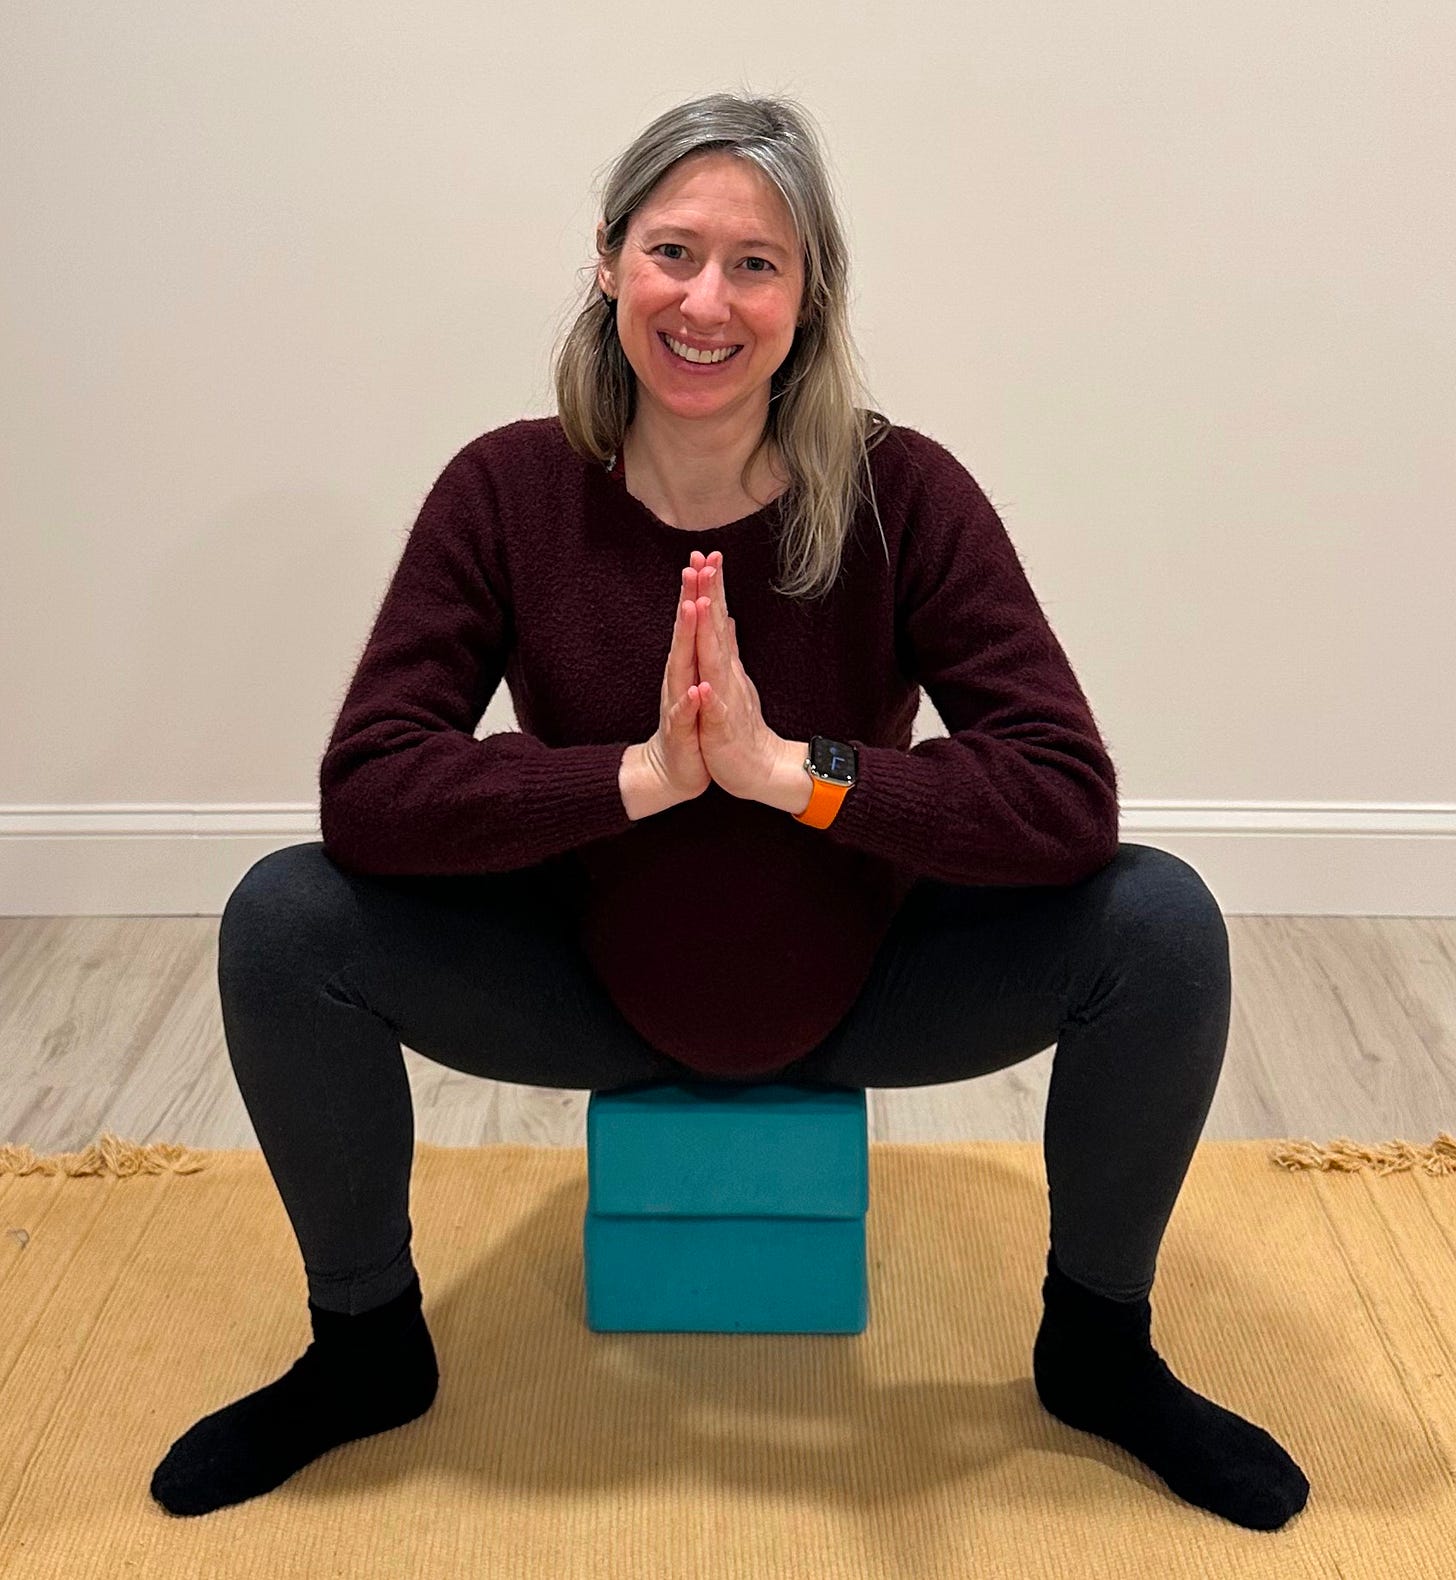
<point x="408" y="1298"/>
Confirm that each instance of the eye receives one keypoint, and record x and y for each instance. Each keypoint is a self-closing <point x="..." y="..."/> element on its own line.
<point x="678" y="245"/>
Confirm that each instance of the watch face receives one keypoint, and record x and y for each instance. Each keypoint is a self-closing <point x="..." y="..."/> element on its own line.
<point x="835" y="760"/>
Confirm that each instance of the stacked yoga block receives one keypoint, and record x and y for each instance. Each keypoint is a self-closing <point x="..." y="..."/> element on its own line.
<point x="726" y="1209"/>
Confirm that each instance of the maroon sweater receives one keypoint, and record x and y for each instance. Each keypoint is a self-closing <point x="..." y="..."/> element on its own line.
<point x="732" y="937"/>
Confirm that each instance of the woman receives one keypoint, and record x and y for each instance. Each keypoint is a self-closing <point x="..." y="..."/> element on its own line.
<point x="710" y="850"/>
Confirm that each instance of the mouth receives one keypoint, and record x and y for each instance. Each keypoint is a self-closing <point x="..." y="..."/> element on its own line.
<point x="690" y="366"/>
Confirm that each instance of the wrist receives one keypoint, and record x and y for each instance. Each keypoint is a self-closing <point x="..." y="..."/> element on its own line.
<point x="642" y="788"/>
<point x="791" y="784"/>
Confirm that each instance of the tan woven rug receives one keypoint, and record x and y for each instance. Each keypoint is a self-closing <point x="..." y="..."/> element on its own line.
<point x="1311" y="1289"/>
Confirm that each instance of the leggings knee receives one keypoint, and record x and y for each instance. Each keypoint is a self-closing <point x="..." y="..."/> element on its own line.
<point x="290" y="909"/>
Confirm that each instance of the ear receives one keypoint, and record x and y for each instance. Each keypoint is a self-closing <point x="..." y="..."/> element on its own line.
<point x="604" y="274"/>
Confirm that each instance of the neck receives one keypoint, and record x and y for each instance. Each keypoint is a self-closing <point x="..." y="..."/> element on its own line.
<point x="686" y="475"/>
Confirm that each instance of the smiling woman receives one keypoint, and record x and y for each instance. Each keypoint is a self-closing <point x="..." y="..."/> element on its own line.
<point x="506" y="907"/>
<point x="713" y="356"/>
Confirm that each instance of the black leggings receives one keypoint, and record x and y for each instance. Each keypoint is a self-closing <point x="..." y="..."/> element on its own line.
<point x="323" y="974"/>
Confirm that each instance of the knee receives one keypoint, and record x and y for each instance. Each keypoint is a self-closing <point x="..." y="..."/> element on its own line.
<point x="283" y="905"/>
<point x="1164" y="912"/>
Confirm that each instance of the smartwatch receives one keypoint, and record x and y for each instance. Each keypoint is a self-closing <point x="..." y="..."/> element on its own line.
<point x="834" y="766"/>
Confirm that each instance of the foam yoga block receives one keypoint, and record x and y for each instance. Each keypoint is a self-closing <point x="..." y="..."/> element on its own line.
<point x="726" y="1209"/>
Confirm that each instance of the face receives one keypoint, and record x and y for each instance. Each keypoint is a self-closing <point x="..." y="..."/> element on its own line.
<point x="712" y="287"/>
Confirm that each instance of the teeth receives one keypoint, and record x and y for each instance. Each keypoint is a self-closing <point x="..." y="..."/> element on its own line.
<point x="689" y="355"/>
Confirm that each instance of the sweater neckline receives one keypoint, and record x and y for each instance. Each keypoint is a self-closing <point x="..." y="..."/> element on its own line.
<point x="616" y="473"/>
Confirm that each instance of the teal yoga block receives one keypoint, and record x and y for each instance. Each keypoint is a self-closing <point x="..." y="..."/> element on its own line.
<point x="726" y="1209"/>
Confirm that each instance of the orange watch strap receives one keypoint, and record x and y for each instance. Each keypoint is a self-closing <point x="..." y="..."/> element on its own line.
<point x="824" y="803"/>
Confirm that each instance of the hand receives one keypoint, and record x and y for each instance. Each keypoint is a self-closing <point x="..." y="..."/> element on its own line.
<point x="739" y="749"/>
<point x="674" y="753"/>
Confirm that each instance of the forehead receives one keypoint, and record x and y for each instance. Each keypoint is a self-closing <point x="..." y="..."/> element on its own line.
<point x="719" y="198"/>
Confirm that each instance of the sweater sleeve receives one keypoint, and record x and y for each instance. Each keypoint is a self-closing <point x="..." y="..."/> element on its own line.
<point x="1023" y="789"/>
<point x="404" y="786"/>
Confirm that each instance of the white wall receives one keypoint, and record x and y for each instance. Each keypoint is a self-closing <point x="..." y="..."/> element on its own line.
<point x="1174" y="283"/>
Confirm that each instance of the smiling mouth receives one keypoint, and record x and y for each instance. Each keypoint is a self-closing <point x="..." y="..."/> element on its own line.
<point x="692" y="362"/>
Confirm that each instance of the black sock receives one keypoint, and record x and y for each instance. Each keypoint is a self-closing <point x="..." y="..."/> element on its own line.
<point x="1096" y="1370"/>
<point x="362" y="1374"/>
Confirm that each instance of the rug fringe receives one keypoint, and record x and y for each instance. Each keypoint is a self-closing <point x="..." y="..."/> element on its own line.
<point x="113" y="1155"/>
<point x="1348" y="1156"/>
<point x="109" y="1155"/>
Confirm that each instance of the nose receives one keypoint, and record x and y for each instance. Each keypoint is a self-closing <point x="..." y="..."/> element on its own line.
<point x="705" y="305"/>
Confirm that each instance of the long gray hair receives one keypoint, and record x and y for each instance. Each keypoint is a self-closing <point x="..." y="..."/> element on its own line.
<point x="819" y="415"/>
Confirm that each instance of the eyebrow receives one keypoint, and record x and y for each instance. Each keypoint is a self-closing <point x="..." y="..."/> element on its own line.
<point x="694" y="235"/>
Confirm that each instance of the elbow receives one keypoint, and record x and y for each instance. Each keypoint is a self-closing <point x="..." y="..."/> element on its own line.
<point x="1085" y="861"/>
<point x="1104" y="854"/>
<point x="337" y="845"/>
<point x="1104" y="848"/>
<point x="339" y="828"/>
<point x="1099" y="836"/>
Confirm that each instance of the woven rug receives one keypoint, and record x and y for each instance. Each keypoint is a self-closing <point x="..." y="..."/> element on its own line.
<point x="1310" y="1288"/>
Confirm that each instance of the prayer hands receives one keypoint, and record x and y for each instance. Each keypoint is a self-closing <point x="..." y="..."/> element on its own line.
<point x="738" y="748"/>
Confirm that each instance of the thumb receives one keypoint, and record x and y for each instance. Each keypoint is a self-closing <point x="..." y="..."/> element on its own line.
<point x="711" y="706"/>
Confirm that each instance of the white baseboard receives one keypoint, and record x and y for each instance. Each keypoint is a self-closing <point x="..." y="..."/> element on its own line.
<point x="1278" y="858"/>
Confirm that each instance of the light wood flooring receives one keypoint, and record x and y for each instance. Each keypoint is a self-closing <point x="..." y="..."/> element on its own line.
<point x="1342" y="1026"/>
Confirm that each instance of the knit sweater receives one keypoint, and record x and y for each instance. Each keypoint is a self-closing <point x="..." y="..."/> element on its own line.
<point x="730" y="936"/>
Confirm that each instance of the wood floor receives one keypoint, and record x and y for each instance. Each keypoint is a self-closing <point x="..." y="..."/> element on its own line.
<point x="1342" y="1026"/>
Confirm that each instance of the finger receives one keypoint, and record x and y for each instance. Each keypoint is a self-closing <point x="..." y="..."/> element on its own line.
<point x="711" y="581"/>
<point x="705" y="643"/>
<point x="679" y="622"/>
<point x="709" y="655"/>
<point x="682" y="656"/>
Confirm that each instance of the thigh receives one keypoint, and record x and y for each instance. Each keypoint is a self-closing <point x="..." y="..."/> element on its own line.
<point x="480" y="972"/>
<point x="971" y="979"/>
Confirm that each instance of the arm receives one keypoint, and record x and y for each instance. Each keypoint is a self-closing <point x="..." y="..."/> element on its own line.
<point x="1023" y="789"/>
<point x="404" y="786"/>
